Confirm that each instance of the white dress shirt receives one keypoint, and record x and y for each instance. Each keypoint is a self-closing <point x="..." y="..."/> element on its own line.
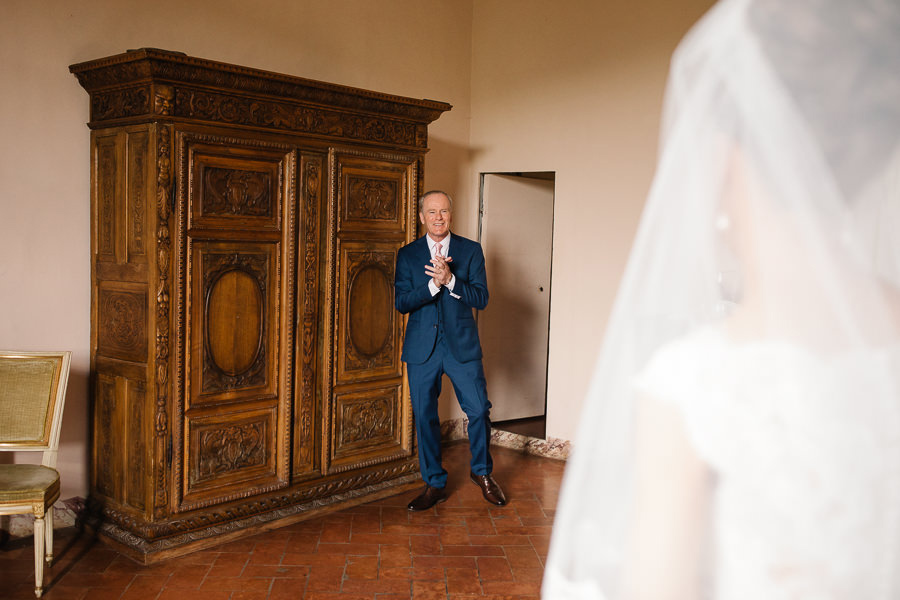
<point x="445" y="251"/>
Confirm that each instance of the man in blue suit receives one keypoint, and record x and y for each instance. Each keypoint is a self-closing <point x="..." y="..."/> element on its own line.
<point x="439" y="280"/>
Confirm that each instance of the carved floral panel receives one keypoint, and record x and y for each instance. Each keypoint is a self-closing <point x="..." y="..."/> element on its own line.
<point x="231" y="448"/>
<point x="374" y="192"/>
<point x="233" y="192"/>
<point x="372" y="199"/>
<point x="236" y="183"/>
<point x="122" y="324"/>
<point x="367" y="427"/>
<point x="229" y="455"/>
<point x="366" y="421"/>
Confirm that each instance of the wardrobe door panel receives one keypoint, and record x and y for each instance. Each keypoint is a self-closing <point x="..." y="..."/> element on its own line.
<point x="369" y="426"/>
<point x="370" y="418"/>
<point x="368" y="326"/>
<point x="233" y="331"/>
<point x="235" y="187"/>
<point x="238" y="282"/>
<point x="230" y="454"/>
<point x="373" y="194"/>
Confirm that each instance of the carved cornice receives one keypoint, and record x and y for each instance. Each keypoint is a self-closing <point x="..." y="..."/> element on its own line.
<point x="231" y="109"/>
<point x="148" y="81"/>
<point x="120" y="103"/>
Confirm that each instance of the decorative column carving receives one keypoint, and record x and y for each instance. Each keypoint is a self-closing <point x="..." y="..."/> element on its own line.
<point x="163" y="255"/>
<point x="311" y="197"/>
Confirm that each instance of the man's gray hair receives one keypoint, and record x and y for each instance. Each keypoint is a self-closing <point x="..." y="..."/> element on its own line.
<point x="431" y="193"/>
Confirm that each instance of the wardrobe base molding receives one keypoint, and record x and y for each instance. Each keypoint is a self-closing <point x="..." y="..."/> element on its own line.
<point x="148" y="552"/>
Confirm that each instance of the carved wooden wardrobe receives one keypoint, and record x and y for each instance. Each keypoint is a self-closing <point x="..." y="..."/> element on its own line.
<point x="245" y="351"/>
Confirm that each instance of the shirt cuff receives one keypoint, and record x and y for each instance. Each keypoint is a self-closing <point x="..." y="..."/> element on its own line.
<point x="433" y="288"/>
<point x="450" y="287"/>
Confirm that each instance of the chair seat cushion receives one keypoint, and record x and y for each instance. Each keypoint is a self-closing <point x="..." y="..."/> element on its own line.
<point x="28" y="483"/>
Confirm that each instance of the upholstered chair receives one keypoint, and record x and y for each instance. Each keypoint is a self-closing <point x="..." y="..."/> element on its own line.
<point x="32" y="394"/>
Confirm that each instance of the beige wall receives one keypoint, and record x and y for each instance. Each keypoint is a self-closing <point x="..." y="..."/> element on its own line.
<point x="571" y="86"/>
<point x="575" y="87"/>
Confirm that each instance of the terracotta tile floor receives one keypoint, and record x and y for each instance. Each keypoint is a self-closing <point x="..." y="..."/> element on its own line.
<point x="463" y="548"/>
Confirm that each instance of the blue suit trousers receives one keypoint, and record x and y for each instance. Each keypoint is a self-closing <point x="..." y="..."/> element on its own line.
<point x="471" y="391"/>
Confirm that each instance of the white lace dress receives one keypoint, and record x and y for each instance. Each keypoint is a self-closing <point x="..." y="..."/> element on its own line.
<point x="806" y="463"/>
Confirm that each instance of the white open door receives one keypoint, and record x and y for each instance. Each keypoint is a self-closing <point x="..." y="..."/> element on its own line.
<point x="517" y="236"/>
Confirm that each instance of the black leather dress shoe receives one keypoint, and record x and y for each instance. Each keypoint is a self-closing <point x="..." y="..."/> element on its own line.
<point x="489" y="489"/>
<point x="428" y="498"/>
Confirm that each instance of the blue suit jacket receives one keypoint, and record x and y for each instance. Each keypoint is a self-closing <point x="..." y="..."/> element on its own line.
<point x="411" y="295"/>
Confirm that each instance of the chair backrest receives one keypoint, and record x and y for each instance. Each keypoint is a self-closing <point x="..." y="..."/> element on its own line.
<point x="32" y="395"/>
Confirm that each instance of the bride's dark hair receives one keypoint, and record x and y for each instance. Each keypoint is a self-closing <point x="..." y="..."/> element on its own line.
<point x="848" y="46"/>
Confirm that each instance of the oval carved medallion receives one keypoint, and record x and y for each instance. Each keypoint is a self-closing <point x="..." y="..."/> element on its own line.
<point x="234" y="321"/>
<point x="371" y="309"/>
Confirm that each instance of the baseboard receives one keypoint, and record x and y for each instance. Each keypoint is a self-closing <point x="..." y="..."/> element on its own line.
<point x="455" y="429"/>
<point x="65" y="514"/>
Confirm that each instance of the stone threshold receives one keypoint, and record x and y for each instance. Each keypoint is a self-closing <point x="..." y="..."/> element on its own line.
<point x="454" y="430"/>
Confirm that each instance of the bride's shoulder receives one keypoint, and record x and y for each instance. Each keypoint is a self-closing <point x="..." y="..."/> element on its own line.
<point x="696" y="350"/>
<point x="682" y="367"/>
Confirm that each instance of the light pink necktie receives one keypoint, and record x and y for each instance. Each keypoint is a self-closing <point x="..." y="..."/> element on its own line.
<point x="437" y="250"/>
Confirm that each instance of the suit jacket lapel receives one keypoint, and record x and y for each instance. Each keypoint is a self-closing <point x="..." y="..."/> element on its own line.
<point x="456" y="248"/>
<point x="423" y="256"/>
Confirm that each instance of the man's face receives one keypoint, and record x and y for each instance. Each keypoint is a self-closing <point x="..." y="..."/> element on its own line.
<point x="436" y="216"/>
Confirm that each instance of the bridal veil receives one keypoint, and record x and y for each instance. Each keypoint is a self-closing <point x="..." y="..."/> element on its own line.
<point x="741" y="437"/>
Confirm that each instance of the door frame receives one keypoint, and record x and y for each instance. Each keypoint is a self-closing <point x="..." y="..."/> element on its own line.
<point x="547" y="176"/>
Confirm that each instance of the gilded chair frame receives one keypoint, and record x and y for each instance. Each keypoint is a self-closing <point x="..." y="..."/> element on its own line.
<point x="43" y="375"/>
